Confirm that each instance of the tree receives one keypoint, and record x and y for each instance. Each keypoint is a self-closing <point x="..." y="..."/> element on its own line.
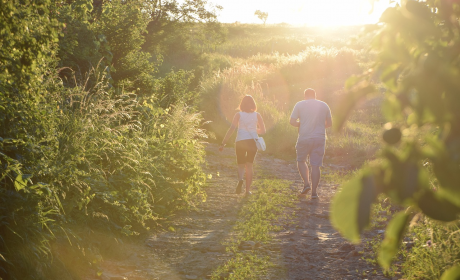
<point x="172" y="23"/>
<point x="418" y="60"/>
<point x="261" y="15"/>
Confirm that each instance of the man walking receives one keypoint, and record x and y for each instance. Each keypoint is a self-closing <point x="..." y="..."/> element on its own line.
<point x="312" y="117"/>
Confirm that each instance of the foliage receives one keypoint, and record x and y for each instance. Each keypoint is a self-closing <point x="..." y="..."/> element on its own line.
<point x="28" y="37"/>
<point x="258" y="218"/>
<point x="434" y="251"/>
<point x="109" y="36"/>
<point x="176" y="87"/>
<point x="261" y="15"/>
<point x="77" y="151"/>
<point x="179" y="30"/>
<point x="417" y="60"/>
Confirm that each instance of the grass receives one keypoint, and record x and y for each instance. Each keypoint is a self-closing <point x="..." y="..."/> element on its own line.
<point x="255" y="227"/>
<point x="435" y="249"/>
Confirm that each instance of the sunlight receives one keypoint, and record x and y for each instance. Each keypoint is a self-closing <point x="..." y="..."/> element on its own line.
<point x="305" y="12"/>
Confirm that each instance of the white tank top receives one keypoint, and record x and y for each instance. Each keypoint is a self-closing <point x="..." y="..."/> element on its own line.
<point x="247" y="126"/>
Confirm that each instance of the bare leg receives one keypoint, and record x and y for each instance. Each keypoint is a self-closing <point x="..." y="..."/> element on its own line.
<point x="315" y="176"/>
<point x="248" y="176"/>
<point x="240" y="171"/>
<point x="303" y="171"/>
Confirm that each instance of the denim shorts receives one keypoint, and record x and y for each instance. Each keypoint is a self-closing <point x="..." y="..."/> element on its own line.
<point x="313" y="148"/>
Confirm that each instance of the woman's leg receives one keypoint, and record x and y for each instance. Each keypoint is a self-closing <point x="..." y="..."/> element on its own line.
<point x="240" y="171"/>
<point x="248" y="176"/>
<point x="240" y="152"/>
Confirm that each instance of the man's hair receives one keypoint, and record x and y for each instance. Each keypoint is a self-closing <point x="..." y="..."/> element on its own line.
<point x="310" y="93"/>
<point x="248" y="104"/>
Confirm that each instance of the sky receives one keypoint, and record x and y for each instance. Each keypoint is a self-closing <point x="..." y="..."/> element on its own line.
<point x="302" y="12"/>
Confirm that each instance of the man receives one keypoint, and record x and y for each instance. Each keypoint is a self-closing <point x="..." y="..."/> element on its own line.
<point x="312" y="117"/>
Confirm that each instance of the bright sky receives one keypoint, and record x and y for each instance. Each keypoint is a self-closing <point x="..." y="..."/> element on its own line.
<point x="302" y="12"/>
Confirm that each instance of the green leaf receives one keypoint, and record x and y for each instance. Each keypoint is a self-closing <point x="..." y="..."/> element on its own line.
<point x="437" y="207"/>
<point x="393" y="236"/>
<point x="350" y="209"/>
<point x="390" y="75"/>
<point x="367" y="197"/>
<point x="391" y="108"/>
<point x="350" y="100"/>
<point x="452" y="273"/>
<point x="21" y="181"/>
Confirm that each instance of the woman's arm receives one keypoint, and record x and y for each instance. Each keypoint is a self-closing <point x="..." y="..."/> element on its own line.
<point x="230" y="131"/>
<point x="260" y="124"/>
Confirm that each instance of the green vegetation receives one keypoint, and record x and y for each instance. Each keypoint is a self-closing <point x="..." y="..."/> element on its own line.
<point x="253" y="231"/>
<point x="419" y="165"/>
<point x="91" y="140"/>
<point x="104" y="107"/>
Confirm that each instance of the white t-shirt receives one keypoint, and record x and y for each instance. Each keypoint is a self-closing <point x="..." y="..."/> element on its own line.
<point x="247" y="126"/>
<point x="312" y="115"/>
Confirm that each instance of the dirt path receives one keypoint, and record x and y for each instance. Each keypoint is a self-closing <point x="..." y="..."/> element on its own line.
<point x="192" y="248"/>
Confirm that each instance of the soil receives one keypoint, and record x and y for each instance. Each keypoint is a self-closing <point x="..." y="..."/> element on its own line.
<point x="191" y="247"/>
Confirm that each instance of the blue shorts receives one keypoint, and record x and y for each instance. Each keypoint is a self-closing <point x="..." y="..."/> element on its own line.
<point x="313" y="148"/>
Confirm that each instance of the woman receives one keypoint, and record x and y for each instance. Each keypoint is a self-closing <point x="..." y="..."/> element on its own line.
<point x="250" y="124"/>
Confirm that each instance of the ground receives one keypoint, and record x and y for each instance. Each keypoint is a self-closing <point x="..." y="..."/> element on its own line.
<point x="193" y="245"/>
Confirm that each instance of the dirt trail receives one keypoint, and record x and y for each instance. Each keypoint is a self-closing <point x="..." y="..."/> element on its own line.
<point x="310" y="248"/>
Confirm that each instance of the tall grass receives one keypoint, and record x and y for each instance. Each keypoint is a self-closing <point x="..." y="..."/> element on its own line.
<point x="102" y="160"/>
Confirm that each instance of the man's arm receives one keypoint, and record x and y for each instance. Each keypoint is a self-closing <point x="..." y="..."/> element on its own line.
<point x="294" y="122"/>
<point x="328" y="123"/>
<point x="294" y="117"/>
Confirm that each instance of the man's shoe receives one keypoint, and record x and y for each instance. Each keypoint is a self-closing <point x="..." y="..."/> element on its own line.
<point x="238" y="187"/>
<point x="306" y="189"/>
<point x="314" y="196"/>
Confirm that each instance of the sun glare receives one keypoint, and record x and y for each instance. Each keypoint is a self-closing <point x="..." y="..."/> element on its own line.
<point x="305" y="12"/>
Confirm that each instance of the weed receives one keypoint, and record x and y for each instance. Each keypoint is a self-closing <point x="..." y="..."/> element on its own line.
<point x="254" y="227"/>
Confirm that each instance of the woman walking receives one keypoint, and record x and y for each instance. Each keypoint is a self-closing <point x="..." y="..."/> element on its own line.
<point x="249" y="124"/>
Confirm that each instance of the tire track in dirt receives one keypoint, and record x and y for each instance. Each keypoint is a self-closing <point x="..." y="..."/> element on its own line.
<point x="310" y="248"/>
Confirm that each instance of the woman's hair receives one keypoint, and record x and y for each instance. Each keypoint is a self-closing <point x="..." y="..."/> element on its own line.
<point x="248" y="104"/>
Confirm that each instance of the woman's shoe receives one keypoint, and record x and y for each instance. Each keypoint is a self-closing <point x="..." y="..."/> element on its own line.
<point x="306" y="189"/>
<point x="238" y="187"/>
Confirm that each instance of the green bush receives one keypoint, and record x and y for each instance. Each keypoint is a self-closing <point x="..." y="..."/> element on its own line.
<point x="418" y="166"/>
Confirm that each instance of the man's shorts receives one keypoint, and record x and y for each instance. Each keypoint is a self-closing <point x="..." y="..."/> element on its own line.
<point x="314" y="148"/>
<point x="246" y="151"/>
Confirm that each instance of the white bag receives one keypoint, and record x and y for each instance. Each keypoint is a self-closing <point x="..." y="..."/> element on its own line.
<point x="260" y="143"/>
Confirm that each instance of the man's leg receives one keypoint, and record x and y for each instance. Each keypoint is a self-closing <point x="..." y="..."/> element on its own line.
<point x="316" y="161"/>
<point x="303" y="171"/>
<point x="315" y="176"/>
<point x="302" y="150"/>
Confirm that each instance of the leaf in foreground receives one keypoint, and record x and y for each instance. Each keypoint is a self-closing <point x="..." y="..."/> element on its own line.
<point x="452" y="273"/>
<point x="393" y="236"/>
<point x="350" y="209"/>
